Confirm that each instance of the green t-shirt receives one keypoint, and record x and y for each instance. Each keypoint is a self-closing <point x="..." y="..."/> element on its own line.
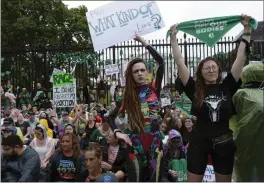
<point x="24" y="99"/>
<point x="96" y="136"/>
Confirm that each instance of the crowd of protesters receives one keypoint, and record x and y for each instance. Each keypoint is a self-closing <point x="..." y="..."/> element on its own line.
<point x="133" y="136"/>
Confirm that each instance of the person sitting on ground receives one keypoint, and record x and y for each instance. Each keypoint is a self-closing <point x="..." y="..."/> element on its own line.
<point x="49" y="132"/>
<point x="66" y="162"/>
<point x="89" y="130"/>
<point x="43" y="145"/>
<point x="19" y="163"/>
<point x="69" y="129"/>
<point x="79" y="120"/>
<point x="93" y="160"/>
<point x="187" y="129"/>
<point x="32" y="119"/>
<point x="8" y="122"/>
<point x="25" y="128"/>
<point x="24" y="109"/>
<point x="10" y="130"/>
<point x="115" y="158"/>
<point x="175" y="158"/>
<point x="65" y="120"/>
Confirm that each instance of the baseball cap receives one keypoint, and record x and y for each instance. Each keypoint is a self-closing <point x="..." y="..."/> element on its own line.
<point x="174" y="133"/>
<point x="64" y="113"/>
<point x="8" y="120"/>
<point x="107" y="177"/>
<point x="31" y="113"/>
<point x="10" y="129"/>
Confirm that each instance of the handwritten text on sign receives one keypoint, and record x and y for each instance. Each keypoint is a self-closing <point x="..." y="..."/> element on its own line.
<point x="111" y="69"/>
<point x="165" y="102"/>
<point x="60" y="79"/>
<point x="119" y="21"/>
<point x="64" y="90"/>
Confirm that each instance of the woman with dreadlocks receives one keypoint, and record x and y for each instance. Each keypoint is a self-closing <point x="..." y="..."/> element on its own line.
<point x="142" y="105"/>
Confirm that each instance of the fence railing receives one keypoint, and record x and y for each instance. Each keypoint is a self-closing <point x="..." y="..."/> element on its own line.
<point x="26" y="68"/>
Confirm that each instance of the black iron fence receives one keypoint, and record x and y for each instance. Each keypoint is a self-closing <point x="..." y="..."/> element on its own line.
<point x="25" y="68"/>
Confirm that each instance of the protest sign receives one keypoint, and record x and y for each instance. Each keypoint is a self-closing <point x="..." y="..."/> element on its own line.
<point x="211" y="30"/>
<point x="209" y="174"/>
<point x="54" y="71"/>
<point x="64" y="90"/>
<point x="119" y="21"/>
<point x="165" y="102"/>
<point x="111" y="69"/>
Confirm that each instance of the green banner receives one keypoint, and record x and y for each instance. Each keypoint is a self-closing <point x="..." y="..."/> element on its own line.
<point x="61" y="79"/>
<point x="210" y="30"/>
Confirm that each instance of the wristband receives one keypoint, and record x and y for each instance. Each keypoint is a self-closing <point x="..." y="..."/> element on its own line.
<point x="246" y="34"/>
<point x="115" y="131"/>
<point x="247" y="45"/>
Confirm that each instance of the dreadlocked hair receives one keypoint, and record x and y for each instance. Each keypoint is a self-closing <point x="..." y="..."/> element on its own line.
<point x="200" y="85"/>
<point x="131" y="103"/>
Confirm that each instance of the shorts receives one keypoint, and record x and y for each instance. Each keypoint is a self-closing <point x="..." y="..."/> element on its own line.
<point x="222" y="155"/>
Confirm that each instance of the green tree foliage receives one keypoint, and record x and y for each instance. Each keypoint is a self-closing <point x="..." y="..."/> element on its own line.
<point x="39" y="35"/>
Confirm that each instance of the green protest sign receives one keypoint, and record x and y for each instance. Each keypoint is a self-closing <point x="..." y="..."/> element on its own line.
<point x="61" y="79"/>
<point x="210" y="30"/>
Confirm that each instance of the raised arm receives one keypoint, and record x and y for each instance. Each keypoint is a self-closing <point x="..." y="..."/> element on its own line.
<point x="176" y="52"/>
<point x="112" y="115"/>
<point x="158" y="59"/>
<point x="241" y="52"/>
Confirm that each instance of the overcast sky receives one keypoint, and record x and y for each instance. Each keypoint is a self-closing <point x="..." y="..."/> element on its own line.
<point x="179" y="11"/>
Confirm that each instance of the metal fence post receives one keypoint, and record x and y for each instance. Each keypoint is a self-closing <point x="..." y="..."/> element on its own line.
<point x="185" y="49"/>
<point x="114" y="55"/>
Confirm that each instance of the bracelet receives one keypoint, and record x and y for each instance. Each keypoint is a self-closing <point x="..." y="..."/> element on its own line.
<point x="115" y="131"/>
<point x="247" y="45"/>
<point x="246" y="34"/>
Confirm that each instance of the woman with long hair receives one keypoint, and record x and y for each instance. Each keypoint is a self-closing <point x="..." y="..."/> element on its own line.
<point x="142" y="105"/>
<point x="66" y="162"/>
<point x="69" y="128"/>
<point x="186" y="129"/>
<point x="212" y="104"/>
<point x="90" y="127"/>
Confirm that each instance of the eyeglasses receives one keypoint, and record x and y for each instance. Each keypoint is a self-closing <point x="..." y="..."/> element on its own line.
<point x="214" y="68"/>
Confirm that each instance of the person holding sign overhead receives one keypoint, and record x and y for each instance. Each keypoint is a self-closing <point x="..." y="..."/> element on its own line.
<point x="211" y="98"/>
<point x="142" y="104"/>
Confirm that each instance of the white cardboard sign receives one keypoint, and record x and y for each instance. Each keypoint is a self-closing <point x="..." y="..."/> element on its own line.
<point x="119" y="21"/>
<point x="54" y="71"/>
<point x="111" y="69"/>
<point x="165" y="102"/>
